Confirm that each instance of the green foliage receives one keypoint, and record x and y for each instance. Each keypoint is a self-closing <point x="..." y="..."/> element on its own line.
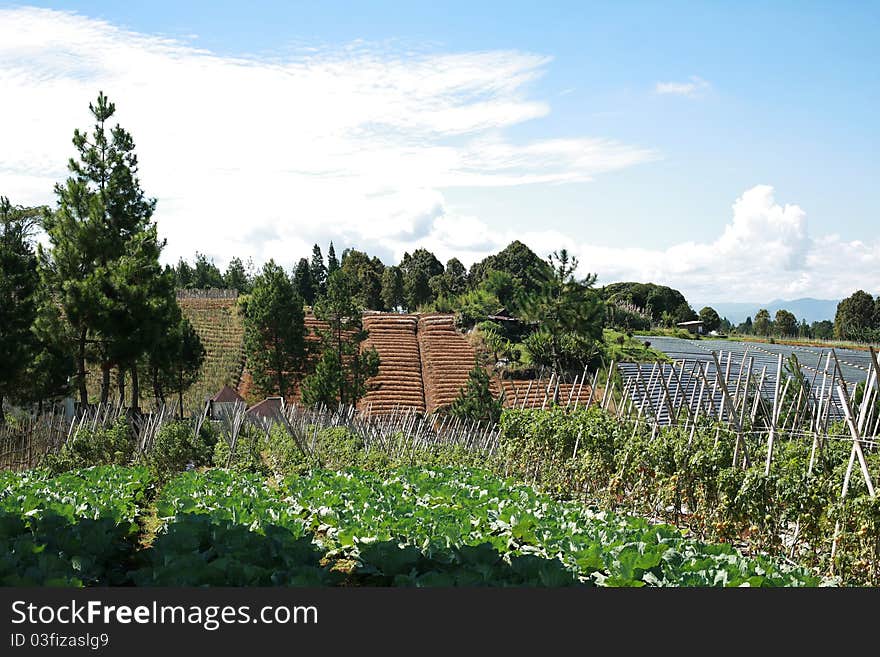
<point x="518" y="262"/>
<point x="18" y="298"/>
<point x="856" y="317"/>
<point x="367" y="273"/>
<point x="318" y="271"/>
<point x="451" y="526"/>
<point x="569" y="351"/>
<point x="710" y="318"/>
<point x="653" y="299"/>
<point x="113" y="445"/>
<point x="175" y="360"/>
<point x="785" y="323"/>
<point x="237" y="277"/>
<point x="274" y="336"/>
<point x="246" y="453"/>
<point x="176" y="448"/>
<point x="76" y="529"/>
<point x="762" y="324"/>
<point x="475" y="400"/>
<point x="392" y="288"/>
<point x="417" y="270"/>
<point x="229" y="529"/>
<point x="303" y="283"/>
<point x="103" y="257"/>
<point x="341" y="374"/>
<point x="566" y="309"/>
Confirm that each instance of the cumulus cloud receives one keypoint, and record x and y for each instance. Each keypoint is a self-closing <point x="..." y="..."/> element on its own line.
<point x="690" y="89"/>
<point x="764" y="251"/>
<point x="262" y="157"/>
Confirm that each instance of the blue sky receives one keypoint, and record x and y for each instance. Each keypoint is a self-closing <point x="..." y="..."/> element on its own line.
<point x="686" y="111"/>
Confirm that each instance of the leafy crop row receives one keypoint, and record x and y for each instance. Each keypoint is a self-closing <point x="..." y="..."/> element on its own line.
<point x="71" y="530"/>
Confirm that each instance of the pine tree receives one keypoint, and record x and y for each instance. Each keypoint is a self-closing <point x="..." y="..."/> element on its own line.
<point x="332" y="262"/>
<point x="564" y="306"/>
<point x="392" y="288"/>
<point x="175" y="361"/>
<point x="18" y="299"/>
<point x="319" y="271"/>
<point x="104" y="251"/>
<point x="475" y="400"/>
<point x="236" y="277"/>
<point x="303" y="282"/>
<point x="274" y="331"/>
<point x="343" y="370"/>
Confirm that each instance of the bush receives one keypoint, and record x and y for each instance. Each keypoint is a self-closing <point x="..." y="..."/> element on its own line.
<point x="176" y="449"/>
<point x="113" y="445"/>
<point x="247" y="456"/>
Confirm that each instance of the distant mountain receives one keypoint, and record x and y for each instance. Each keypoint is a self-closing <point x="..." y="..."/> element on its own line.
<point x="813" y="310"/>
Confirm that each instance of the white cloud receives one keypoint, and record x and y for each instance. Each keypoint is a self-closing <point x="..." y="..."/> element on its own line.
<point x="763" y="252"/>
<point x="262" y="157"/>
<point x="691" y="89"/>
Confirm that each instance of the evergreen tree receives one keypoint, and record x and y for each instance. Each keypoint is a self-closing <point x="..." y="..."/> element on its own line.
<point x="368" y="274"/>
<point x="175" y="361"/>
<point x="206" y="274"/>
<point x="392" y="288"/>
<point x="18" y="299"/>
<point x="762" y="324"/>
<point x="854" y="318"/>
<point x="101" y="237"/>
<point x="236" y="276"/>
<point x="319" y="271"/>
<point x="418" y="270"/>
<point x="785" y="323"/>
<point x="343" y="370"/>
<point x="475" y="400"/>
<point x="52" y="366"/>
<point x="303" y="282"/>
<point x="274" y="331"/>
<point x="183" y="274"/>
<point x="332" y="262"/>
<point x="710" y="318"/>
<point x="564" y="306"/>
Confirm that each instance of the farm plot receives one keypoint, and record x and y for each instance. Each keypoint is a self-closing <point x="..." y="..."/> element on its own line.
<point x="534" y="393"/>
<point x="737" y="360"/>
<point x="72" y="530"/>
<point x="463" y="527"/>
<point x="221" y="330"/>
<point x="399" y="384"/>
<point x="447" y="357"/>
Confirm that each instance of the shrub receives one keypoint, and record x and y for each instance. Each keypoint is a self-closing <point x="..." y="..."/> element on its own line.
<point x="176" y="449"/>
<point x="113" y="445"/>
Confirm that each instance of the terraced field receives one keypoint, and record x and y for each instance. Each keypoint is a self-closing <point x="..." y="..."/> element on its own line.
<point x="399" y="383"/>
<point x="447" y="357"/>
<point x="532" y="394"/>
<point x="220" y="327"/>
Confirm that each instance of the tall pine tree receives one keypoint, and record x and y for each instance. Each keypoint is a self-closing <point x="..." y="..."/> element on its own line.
<point x="274" y="331"/>
<point x="18" y="299"/>
<point x="103" y="257"/>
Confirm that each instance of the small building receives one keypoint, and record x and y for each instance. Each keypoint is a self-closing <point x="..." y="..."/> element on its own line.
<point x="224" y="402"/>
<point x="694" y="326"/>
<point x="267" y="408"/>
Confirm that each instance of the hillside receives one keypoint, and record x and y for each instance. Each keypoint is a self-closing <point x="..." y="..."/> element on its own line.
<point x="424" y="360"/>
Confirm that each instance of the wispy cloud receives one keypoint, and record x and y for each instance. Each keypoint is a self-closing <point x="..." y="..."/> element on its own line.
<point x="695" y="87"/>
<point x="263" y="156"/>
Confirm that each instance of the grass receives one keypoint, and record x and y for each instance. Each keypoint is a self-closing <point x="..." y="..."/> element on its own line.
<point x="632" y="349"/>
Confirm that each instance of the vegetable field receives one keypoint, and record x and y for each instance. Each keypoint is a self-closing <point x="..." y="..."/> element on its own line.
<point x="410" y="527"/>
